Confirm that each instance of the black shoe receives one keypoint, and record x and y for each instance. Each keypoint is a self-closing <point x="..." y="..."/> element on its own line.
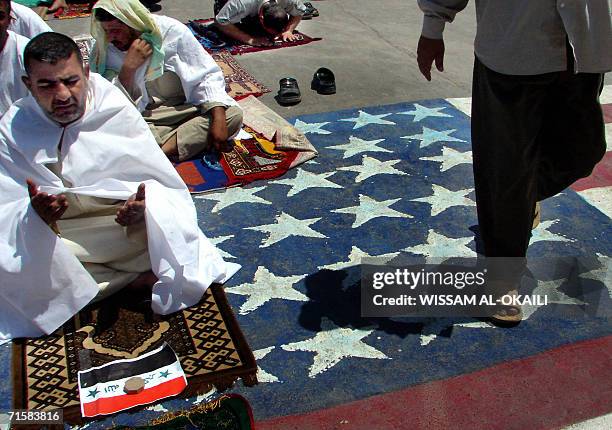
<point x="324" y="81"/>
<point x="289" y="92"/>
<point x="310" y="12"/>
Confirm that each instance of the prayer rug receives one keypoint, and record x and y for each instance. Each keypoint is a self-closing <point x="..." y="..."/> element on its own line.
<point x="206" y="337"/>
<point x="267" y="153"/>
<point x="239" y="83"/>
<point x="74" y="10"/>
<point x="251" y="159"/>
<point x="236" y="48"/>
<point x="230" y="412"/>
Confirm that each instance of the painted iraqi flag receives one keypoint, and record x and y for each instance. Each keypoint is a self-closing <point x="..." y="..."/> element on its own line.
<point x="102" y="389"/>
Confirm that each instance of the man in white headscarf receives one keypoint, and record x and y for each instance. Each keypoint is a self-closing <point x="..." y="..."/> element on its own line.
<point x="160" y="65"/>
<point x="103" y="208"/>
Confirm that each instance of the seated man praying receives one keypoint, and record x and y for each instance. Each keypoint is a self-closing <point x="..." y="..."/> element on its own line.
<point x="89" y="203"/>
<point x="171" y="79"/>
<point x="274" y="17"/>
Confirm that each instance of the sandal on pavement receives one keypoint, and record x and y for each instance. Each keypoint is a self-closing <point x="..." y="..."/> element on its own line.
<point x="507" y="315"/>
<point x="289" y="92"/>
<point x="324" y="81"/>
<point x="310" y="12"/>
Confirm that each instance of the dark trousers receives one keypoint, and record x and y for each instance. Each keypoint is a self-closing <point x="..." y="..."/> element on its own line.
<point x="532" y="137"/>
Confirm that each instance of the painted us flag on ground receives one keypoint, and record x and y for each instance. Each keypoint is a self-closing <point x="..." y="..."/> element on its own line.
<point x="396" y="181"/>
<point x="102" y="389"/>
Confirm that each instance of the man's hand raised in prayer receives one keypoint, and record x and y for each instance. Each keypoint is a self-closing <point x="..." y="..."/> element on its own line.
<point x="137" y="54"/>
<point x="428" y="51"/>
<point x="218" y="134"/>
<point x="133" y="211"/>
<point x="49" y="207"/>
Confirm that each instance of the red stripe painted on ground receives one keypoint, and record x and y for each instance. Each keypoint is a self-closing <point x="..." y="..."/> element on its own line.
<point x="601" y="176"/>
<point x="109" y="405"/>
<point x="607" y="111"/>
<point x="546" y="391"/>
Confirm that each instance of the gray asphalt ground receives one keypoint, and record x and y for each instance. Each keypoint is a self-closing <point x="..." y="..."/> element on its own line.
<point x="369" y="45"/>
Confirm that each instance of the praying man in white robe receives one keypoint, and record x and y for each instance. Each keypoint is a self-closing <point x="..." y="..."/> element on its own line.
<point x="26" y="22"/>
<point x="11" y="60"/>
<point x="88" y="202"/>
<point x="173" y="81"/>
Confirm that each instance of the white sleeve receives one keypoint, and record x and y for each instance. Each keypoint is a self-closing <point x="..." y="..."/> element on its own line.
<point x="27" y="22"/>
<point x="201" y="77"/>
<point x="437" y="14"/>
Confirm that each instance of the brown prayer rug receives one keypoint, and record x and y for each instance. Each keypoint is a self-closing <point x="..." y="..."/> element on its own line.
<point x="206" y="337"/>
<point x="238" y="82"/>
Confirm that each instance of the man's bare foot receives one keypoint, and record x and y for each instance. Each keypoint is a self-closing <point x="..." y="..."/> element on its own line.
<point x="56" y="5"/>
<point x="133" y="211"/>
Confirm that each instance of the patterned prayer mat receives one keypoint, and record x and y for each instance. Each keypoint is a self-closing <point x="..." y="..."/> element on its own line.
<point x="229" y="412"/>
<point x="251" y="159"/>
<point x="74" y="10"/>
<point x="236" y="48"/>
<point x="238" y="82"/>
<point x="206" y="337"/>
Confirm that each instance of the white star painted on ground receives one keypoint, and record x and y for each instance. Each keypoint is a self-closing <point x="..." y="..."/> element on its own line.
<point x="357" y="146"/>
<point x="217" y="240"/>
<point x="267" y="286"/>
<point x="429" y="136"/>
<point x="432" y="330"/>
<point x="311" y="127"/>
<point x="365" y="118"/>
<point x="442" y="199"/>
<point x="450" y="158"/>
<point x="439" y="246"/>
<point x="333" y="344"/>
<point x="549" y="289"/>
<point x="206" y="397"/>
<point x="354" y="259"/>
<point x="234" y="195"/>
<point x="371" y="167"/>
<point x="421" y="112"/>
<point x="369" y="209"/>
<point x="262" y="375"/>
<point x="305" y="180"/>
<point x="541" y="233"/>
<point x="285" y="227"/>
<point x="602" y="274"/>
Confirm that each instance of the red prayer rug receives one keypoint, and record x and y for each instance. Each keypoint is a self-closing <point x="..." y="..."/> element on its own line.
<point x="250" y="160"/>
<point x="210" y="40"/>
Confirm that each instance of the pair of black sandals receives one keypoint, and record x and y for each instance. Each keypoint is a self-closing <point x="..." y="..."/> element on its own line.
<point x="323" y="82"/>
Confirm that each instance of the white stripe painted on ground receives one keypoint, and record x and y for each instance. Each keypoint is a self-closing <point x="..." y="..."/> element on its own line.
<point x="609" y="135"/>
<point x="464" y="104"/>
<point x="602" y="422"/>
<point x="601" y="198"/>
<point x="606" y="95"/>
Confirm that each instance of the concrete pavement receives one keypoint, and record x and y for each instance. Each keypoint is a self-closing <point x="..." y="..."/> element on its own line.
<point x="370" y="47"/>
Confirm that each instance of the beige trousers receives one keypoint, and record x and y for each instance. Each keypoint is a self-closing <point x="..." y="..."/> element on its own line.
<point x="169" y="115"/>
<point x="113" y="255"/>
